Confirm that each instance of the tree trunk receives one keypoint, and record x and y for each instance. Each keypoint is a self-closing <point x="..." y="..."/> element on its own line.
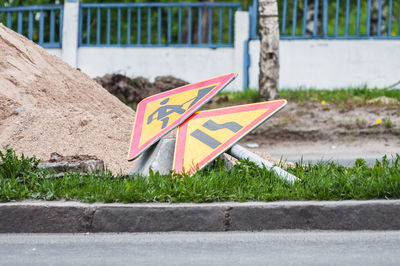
<point x="311" y="16"/>
<point x="375" y="18"/>
<point x="269" y="49"/>
<point x="205" y="22"/>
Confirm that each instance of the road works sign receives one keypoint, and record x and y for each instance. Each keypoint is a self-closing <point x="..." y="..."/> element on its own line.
<point x="205" y="135"/>
<point x="159" y="114"/>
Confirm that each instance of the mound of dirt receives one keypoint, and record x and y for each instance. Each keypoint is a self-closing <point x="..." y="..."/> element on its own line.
<point x="132" y="91"/>
<point x="46" y="106"/>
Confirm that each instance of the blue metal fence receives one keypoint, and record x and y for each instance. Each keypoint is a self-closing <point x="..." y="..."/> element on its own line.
<point x="253" y="13"/>
<point x="334" y="19"/>
<point x="157" y="24"/>
<point x="41" y="23"/>
<point x="204" y="24"/>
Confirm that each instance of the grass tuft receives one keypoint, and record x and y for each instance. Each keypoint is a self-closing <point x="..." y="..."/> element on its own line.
<point x="13" y="167"/>
<point x="246" y="96"/>
<point x="244" y="182"/>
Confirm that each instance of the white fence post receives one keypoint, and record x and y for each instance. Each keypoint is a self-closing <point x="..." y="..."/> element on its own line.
<point x="242" y="34"/>
<point x="70" y="32"/>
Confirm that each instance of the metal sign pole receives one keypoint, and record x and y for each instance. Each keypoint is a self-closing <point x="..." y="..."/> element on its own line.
<point x="241" y="153"/>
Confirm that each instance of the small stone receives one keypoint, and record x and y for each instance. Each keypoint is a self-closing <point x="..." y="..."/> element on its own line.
<point x="54" y="157"/>
<point x="252" y="145"/>
<point x="383" y="100"/>
<point x="19" y="110"/>
<point x="86" y="166"/>
<point x="92" y="166"/>
<point x="229" y="161"/>
<point x="84" y="122"/>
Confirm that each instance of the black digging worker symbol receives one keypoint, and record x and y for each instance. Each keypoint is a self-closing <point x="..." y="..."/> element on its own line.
<point x="164" y="110"/>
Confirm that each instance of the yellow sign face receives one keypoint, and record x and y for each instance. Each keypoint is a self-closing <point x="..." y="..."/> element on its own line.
<point x="205" y="135"/>
<point x="159" y="114"/>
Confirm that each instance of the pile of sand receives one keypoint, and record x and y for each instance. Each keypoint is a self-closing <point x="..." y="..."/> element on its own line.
<point x="46" y="106"/>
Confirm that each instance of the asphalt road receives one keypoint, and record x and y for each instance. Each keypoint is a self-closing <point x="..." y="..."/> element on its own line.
<point x="231" y="248"/>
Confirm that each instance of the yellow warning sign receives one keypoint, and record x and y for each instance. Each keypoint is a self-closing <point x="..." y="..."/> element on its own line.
<point x="205" y="135"/>
<point x="159" y="114"/>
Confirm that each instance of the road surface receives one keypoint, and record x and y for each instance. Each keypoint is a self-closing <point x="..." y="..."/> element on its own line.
<point x="230" y="248"/>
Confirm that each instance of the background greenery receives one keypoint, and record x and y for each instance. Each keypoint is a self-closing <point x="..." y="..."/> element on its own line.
<point x="342" y="17"/>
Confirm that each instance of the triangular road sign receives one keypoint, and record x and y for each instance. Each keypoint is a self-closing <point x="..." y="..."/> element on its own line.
<point x="207" y="134"/>
<point x="159" y="114"/>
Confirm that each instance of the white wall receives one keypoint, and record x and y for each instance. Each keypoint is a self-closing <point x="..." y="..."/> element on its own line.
<point x="307" y="63"/>
<point x="189" y="64"/>
<point x="242" y="33"/>
<point x="303" y="63"/>
<point x="326" y="64"/>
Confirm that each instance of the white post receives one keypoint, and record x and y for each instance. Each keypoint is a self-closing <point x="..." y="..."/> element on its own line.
<point x="70" y="32"/>
<point x="242" y="34"/>
<point x="241" y="153"/>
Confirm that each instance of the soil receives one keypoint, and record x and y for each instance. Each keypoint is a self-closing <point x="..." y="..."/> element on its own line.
<point x="132" y="90"/>
<point x="315" y="130"/>
<point x="312" y="121"/>
<point x="46" y="106"/>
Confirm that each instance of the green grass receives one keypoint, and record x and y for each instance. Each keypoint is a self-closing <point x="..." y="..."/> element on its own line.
<point x="248" y="95"/>
<point x="244" y="182"/>
<point x="358" y="96"/>
<point x="338" y="95"/>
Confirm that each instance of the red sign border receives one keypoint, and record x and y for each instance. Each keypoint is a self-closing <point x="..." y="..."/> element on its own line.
<point x="182" y="131"/>
<point x="134" y="148"/>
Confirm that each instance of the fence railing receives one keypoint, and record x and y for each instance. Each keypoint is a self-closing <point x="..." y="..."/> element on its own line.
<point x="253" y="13"/>
<point x="203" y="24"/>
<point x="41" y="24"/>
<point x="157" y="24"/>
<point x="335" y="19"/>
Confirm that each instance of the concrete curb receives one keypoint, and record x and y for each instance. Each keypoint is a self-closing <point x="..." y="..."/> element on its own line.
<point x="73" y="217"/>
